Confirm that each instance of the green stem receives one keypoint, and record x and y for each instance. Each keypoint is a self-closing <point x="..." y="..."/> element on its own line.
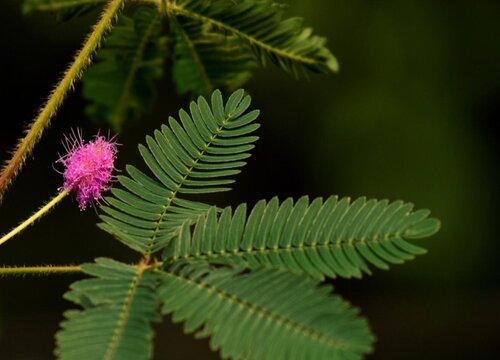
<point x="45" y="270"/>
<point x="37" y="215"/>
<point x="73" y="74"/>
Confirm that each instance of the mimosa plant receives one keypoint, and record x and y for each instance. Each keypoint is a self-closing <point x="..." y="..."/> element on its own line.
<point x="248" y="277"/>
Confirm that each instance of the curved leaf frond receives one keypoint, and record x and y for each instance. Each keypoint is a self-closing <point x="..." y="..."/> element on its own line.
<point x="330" y="238"/>
<point x="264" y="314"/>
<point x="205" y="60"/>
<point x="118" y="307"/>
<point x="285" y="42"/>
<point x="193" y="156"/>
<point x="120" y="85"/>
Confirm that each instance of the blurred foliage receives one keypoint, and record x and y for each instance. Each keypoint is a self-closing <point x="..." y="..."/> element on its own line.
<point x="120" y="85"/>
<point x="213" y="44"/>
<point x="404" y="130"/>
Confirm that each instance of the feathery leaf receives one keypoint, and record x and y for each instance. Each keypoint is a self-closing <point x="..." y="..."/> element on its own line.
<point x="118" y="306"/>
<point x="193" y="156"/>
<point x="264" y="314"/>
<point x="331" y="238"/>
<point x="286" y="42"/>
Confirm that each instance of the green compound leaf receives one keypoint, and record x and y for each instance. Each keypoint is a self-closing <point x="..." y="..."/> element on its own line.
<point x="198" y="155"/>
<point x="120" y="85"/>
<point x="264" y="314"/>
<point x="321" y="238"/>
<point x="261" y="25"/>
<point x="118" y="307"/>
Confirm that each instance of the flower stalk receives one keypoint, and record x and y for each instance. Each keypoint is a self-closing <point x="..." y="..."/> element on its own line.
<point x="37" y="215"/>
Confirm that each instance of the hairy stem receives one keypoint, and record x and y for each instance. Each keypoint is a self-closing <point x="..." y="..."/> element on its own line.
<point x="37" y="215"/>
<point x="73" y="74"/>
<point x="47" y="270"/>
<point x="44" y="270"/>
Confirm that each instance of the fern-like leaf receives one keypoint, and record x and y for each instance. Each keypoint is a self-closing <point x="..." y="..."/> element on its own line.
<point x="264" y="314"/>
<point x="334" y="237"/>
<point x="118" y="307"/>
<point x="120" y="86"/>
<point x="286" y="42"/>
<point x="205" y="60"/>
<point x="194" y="156"/>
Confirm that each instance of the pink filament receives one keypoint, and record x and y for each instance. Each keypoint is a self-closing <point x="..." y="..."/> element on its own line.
<point x="88" y="167"/>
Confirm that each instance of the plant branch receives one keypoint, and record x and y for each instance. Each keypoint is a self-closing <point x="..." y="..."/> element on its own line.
<point x="73" y="74"/>
<point x="45" y="270"/>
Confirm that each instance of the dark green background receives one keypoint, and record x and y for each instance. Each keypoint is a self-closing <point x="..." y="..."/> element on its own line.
<point x="413" y="114"/>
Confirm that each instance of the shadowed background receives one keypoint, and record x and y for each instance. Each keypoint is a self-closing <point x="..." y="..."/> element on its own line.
<point x="413" y="115"/>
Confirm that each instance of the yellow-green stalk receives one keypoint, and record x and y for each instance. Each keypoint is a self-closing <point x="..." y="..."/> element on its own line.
<point x="44" y="270"/>
<point x="37" y="215"/>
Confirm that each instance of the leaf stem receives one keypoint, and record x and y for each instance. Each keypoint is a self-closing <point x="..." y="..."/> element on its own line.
<point x="44" y="270"/>
<point x="124" y="313"/>
<point x="72" y="74"/>
<point x="37" y="215"/>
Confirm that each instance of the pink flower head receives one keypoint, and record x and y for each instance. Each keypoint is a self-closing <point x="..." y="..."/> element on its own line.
<point x="88" y="166"/>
